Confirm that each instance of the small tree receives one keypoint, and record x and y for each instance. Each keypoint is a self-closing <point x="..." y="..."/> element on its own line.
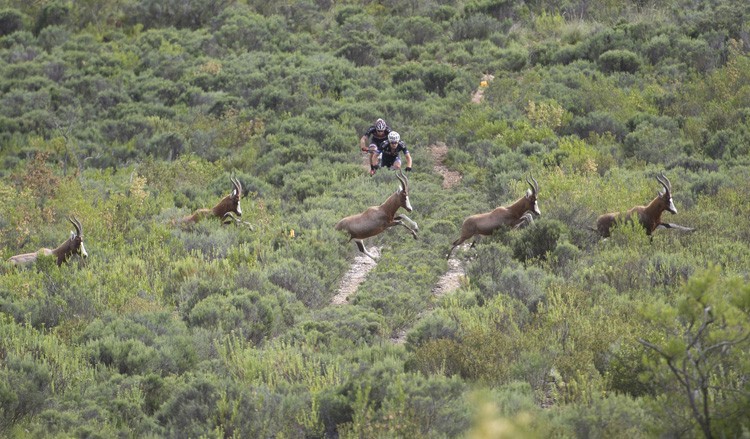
<point x="704" y="351"/>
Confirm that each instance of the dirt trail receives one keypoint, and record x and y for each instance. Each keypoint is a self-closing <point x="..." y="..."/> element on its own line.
<point x="451" y="279"/>
<point x="479" y="93"/>
<point x="355" y="276"/>
<point x="438" y="152"/>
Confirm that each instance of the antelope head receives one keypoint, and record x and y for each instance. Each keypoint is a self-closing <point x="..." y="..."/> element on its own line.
<point x="230" y="205"/>
<point x="74" y="245"/>
<point x="666" y="196"/>
<point x="531" y="195"/>
<point x="403" y="192"/>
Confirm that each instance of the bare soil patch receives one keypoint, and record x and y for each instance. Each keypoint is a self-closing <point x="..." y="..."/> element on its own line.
<point x="451" y="280"/>
<point x="479" y="93"/>
<point x="355" y="276"/>
<point x="438" y="152"/>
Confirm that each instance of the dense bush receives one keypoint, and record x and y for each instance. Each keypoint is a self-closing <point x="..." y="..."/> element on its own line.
<point x="11" y="20"/>
<point x="619" y="61"/>
<point x="25" y="390"/>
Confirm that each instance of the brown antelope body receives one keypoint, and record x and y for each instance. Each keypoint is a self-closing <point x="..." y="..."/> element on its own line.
<point x="648" y="216"/>
<point x="516" y="215"/>
<point x="376" y="219"/>
<point x="225" y="210"/>
<point x="71" y="246"/>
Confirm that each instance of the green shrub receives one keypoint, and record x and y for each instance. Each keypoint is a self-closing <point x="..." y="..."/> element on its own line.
<point x="52" y="37"/>
<point x="568" y="54"/>
<point x="191" y="409"/>
<point x="475" y="27"/>
<point x="25" y="390"/>
<point x="245" y="313"/>
<point x="433" y="327"/>
<point x="53" y="13"/>
<point x="11" y="20"/>
<point x="658" y="48"/>
<point x="598" y="122"/>
<point x="191" y="14"/>
<point x="418" y="30"/>
<point x="696" y="54"/>
<point x="295" y="277"/>
<point x="613" y="416"/>
<point x="537" y="241"/>
<point x="619" y="61"/>
<point x="709" y="184"/>
<point x="513" y="59"/>
<point x="141" y="344"/>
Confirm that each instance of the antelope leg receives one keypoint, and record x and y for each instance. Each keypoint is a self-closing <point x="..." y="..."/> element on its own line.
<point x="675" y="226"/>
<point x="525" y="220"/>
<point x="228" y="218"/>
<point x="400" y="223"/>
<point x="361" y="246"/>
<point x="413" y="225"/>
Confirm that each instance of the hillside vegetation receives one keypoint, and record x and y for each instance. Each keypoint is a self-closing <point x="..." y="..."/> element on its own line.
<point x="131" y="114"/>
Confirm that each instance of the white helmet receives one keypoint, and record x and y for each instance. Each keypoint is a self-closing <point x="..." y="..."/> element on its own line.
<point x="394" y="137"/>
<point x="380" y="125"/>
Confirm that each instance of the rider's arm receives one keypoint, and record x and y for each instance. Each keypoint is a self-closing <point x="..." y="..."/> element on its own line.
<point x="408" y="159"/>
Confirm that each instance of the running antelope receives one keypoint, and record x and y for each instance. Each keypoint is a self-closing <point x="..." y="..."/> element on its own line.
<point x="516" y="215"/>
<point x="71" y="246"/>
<point x="648" y="216"/>
<point x="376" y="219"/>
<point x="225" y="210"/>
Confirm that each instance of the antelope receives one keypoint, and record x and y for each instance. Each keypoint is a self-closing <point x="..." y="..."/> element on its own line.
<point x="225" y="210"/>
<point x="648" y="216"/>
<point x="71" y="246"/>
<point x="516" y="215"/>
<point x="376" y="219"/>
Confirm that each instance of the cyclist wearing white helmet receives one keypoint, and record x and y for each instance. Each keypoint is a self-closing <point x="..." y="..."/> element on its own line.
<point x="391" y="153"/>
<point x="376" y="135"/>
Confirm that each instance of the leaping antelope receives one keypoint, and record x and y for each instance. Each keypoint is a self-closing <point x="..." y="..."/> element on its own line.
<point x="648" y="216"/>
<point x="516" y="215"/>
<point x="225" y="210"/>
<point x="71" y="246"/>
<point x="376" y="219"/>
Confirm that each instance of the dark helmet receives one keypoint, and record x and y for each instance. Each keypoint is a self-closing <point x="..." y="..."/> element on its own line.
<point x="380" y="125"/>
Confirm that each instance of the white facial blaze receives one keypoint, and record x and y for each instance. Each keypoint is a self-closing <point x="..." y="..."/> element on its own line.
<point x="239" y="209"/>
<point x="671" y="207"/>
<point x="536" y="209"/>
<point x="408" y="204"/>
<point x="83" y="251"/>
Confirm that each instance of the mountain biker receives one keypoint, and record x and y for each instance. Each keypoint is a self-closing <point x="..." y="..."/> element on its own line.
<point x="376" y="135"/>
<point x="390" y="153"/>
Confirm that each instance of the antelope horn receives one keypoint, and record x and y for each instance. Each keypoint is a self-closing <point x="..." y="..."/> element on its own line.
<point x="669" y="185"/>
<point x="76" y="225"/>
<point x="237" y="185"/>
<point x="664" y="182"/>
<point x="535" y="186"/>
<point x="402" y="178"/>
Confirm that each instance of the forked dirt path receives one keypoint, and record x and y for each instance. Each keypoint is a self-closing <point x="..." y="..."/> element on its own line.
<point x="451" y="279"/>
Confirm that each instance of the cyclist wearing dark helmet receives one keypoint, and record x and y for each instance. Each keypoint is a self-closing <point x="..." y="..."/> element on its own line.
<point x="390" y="153"/>
<point x="372" y="139"/>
